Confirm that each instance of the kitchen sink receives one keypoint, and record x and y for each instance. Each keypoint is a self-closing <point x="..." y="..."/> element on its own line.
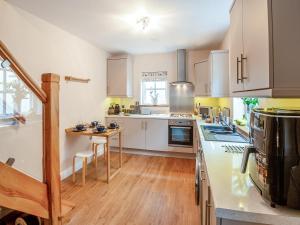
<point x="221" y="133"/>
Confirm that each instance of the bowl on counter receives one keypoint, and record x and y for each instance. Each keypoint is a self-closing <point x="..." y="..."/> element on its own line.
<point x="94" y="123"/>
<point x="80" y="127"/>
<point x="113" y="125"/>
<point x="100" y="128"/>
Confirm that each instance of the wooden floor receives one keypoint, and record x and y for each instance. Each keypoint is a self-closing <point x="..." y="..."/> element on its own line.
<point x="147" y="191"/>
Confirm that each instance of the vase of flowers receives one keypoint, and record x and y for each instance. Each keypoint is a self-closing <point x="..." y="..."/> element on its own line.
<point x="249" y="103"/>
<point x="154" y="97"/>
<point x="20" y="92"/>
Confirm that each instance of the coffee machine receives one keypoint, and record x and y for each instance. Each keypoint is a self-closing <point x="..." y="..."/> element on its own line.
<point x="274" y="156"/>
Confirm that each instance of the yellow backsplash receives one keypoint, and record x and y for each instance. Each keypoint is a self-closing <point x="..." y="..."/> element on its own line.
<point x="216" y="102"/>
<point x="279" y="102"/>
<point x="121" y="101"/>
<point x="205" y="101"/>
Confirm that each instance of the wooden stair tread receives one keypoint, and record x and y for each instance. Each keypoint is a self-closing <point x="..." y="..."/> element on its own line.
<point x="66" y="207"/>
<point x="23" y="193"/>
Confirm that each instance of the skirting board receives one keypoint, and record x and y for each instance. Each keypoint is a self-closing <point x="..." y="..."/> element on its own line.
<point x="78" y="165"/>
<point x="156" y="153"/>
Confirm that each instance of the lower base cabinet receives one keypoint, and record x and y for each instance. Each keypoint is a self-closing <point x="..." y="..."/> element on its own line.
<point x="145" y="134"/>
<point x="207" y="209"/>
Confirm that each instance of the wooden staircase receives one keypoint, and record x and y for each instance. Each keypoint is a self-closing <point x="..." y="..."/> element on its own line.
<point x="19" y="191"/>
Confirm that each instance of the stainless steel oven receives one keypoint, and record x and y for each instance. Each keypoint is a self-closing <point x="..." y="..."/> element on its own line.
<point x="181" y="132"/>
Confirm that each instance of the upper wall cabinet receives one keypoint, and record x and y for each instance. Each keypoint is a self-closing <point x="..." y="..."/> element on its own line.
<point x="264" y="44"/>
<point x="212" y="75"/>
<point x="202" y="81"/>
<point x="119" y="77"/>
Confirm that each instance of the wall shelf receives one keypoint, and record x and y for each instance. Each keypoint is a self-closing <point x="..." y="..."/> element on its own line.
<point x="76" y="79"/>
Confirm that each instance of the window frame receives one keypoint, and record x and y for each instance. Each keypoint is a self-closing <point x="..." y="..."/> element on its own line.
<point x="155" y="89"/>
<point x="5" y="91"/>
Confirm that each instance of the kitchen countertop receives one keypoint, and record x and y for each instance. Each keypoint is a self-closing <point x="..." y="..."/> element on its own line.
<point x="234" y="195"/>
<point x="151" y="116"/>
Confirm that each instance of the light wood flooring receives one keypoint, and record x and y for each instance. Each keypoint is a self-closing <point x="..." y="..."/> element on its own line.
<point x="148" y="191"/>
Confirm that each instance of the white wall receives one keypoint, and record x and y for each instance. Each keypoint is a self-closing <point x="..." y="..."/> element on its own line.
<point x="164" y="62"/>
<point x="152" y="63"/>
<point x="226" y="41"/>
<point x="41" y="47"/>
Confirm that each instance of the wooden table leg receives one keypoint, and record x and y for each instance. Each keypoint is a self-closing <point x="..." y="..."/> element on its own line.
<point x="96" y="160"/>
<point x="120" y="149"/>
<point x="108" y="160"/>
<point x="84" y="165"/>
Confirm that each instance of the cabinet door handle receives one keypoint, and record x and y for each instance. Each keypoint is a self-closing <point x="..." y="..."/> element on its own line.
<point x="206" y="213"/>
<point x="238" y="79"/>
<point x="146" y="125"/>
<point x="242" y="68"/>
<point x="202" y="175"/>
<point x="142" y="125"/>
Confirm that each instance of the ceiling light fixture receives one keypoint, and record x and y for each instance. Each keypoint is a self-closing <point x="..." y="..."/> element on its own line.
<point x="143" y="22"/>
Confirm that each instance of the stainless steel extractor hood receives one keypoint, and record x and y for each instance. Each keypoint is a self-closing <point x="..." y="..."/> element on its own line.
<point x="181" y="68"/>
<point x="181" y="91"/>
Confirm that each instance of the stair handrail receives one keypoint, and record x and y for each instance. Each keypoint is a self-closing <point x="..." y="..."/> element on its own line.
<point x="6" y="55"/>
<point x="49" y="96"/>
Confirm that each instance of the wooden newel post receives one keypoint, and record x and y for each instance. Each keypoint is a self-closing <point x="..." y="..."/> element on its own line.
<point x="50" y="85"/>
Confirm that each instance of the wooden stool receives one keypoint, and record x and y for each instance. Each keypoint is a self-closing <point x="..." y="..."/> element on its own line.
<point x="96" y="142"/>
<point x="84" y="156"/>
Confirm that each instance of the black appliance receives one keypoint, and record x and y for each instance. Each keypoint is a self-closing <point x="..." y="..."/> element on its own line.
<point x="274" y="156"/>
<point x="181" y="132"/>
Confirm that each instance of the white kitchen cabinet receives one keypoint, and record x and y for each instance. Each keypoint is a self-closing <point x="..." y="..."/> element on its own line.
<point x="145" y="134"/>
<point x="202" y="78"/>
<point x="219" y="73"/>
<point x="134" y="133"/>
<point x="236" y="45"/>
<point x="256" y="63"/>
<point x="119" y="77"/>
<point x="263" y="48"/>
<point x="212" y="75"/>
<point x="156" y="134"/>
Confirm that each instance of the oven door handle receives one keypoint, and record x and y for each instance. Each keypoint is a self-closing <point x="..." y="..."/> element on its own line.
<point x="187" y="128"/>
<point x="197" y="180"/>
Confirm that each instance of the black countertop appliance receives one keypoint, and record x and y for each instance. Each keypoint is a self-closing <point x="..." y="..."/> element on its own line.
<point x="274" y="157"/>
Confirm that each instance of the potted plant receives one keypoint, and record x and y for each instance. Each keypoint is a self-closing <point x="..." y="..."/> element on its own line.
<point x="20" y="92"/>
<point x="249" y="104"/>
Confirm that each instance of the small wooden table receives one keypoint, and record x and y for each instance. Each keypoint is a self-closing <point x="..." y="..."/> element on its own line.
<point x="109" y="133"/>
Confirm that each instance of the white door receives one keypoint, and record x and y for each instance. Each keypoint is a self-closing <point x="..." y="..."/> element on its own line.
<point x="157" y="134"/>
<point x="117" y="77"/>
<point x="236" y="45"/>
<point x="202" y="87"/>
<point x="134" y="133"/>
<point x="256" y="44"/>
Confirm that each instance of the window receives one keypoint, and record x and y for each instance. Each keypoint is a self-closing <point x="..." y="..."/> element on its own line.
<point x="154" y="92"/>
<point x="15" y="97"/>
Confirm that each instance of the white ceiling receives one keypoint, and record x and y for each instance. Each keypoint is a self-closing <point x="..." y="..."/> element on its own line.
<point x="111" y="24"/>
